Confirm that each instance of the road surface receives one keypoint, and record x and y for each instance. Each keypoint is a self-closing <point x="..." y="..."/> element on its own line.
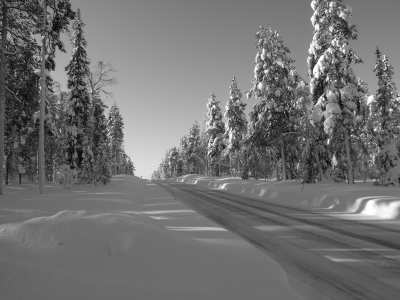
<point x="329" y="257"/>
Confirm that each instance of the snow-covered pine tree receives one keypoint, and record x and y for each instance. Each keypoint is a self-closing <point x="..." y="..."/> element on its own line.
<point x="77" y="148"/>
<point x="386" y="122"/>
<point x="173" y="158"/>
<point x="130" y="167"/>
<point x="193" y="139"/>
<point x="236" y="123"/>
<point x="115" y="127"/>
<point x="183" y="156"/>
<point x="101" y="146"/>
<point x="215" y="129"/>
<point x="273" y="83"/>
<point x="362" y="147"/>
<point x="332" y="83"/>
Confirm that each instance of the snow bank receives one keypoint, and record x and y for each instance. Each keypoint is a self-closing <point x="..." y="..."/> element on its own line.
<point x="74" y="232"/>
<point x="126" y="240"/>
<point x="360" y="198"/>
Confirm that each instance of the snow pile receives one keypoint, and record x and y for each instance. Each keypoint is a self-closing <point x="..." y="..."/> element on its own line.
<point x="360" y="198"/>
<point x="74" y="232"/>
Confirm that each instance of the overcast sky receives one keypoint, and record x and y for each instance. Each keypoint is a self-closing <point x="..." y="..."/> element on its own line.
<point x="170" y="54"/>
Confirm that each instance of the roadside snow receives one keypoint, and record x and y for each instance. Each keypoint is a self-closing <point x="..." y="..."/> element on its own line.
<point x="360" y="200"/>
<point x="126" y="240"/>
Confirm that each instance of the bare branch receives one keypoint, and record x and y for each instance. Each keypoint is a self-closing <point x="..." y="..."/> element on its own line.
<point x="7" y="52"/>
<point x="15" y="97"/>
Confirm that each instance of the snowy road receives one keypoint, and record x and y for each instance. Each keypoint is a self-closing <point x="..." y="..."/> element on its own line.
<point x="322" y="255"/>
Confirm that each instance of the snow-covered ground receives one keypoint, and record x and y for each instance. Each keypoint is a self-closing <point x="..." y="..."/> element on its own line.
<point x="362" y="201"/>
<point x="127" y="240"/>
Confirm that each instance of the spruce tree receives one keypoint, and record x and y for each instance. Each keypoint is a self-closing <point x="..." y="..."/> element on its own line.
<point x="193" y="139"/>
<point x="273" y="83"/>
<point x="101" y="146"/>
<point x="215" y="129"/>
<point x="183" y="154"/>
<point x="236" y="123"/>
<point x="386" y="125"/>
<point x="115" y="127"/>
<point x="77" y="151"/>
<point x="332" y="83"/>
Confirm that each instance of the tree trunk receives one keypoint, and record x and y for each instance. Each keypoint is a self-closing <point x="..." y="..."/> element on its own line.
<point x="238" y="167"/>
<point x="277" y="170"/>
<point x="283" y="161"/>
<point x="219" y="166"/>
<point x="7" y="170"/>
<point x="349" y="164"/>
<point x="265" y="170"/>
<point x="365" y="167"/>
<point x="92" y="120"/>
<point x="19" y="179"/>
<point x="42" y="177"/>
<point x="2" y="92"/>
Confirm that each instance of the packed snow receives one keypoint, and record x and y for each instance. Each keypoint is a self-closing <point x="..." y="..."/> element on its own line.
<point x="129" y="239"/>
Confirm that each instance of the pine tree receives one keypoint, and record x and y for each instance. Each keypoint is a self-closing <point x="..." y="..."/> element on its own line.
<point x="183" y="156"/>
<point x="101" y="146"/>
<point x="115" y="127"/>
<point x="273" y="84"/>
<point x="215" y="131"/>
<point x="332" y="84"/>
<point x="77" y="148"/>
<point x="386" y="122"/>
<point x="130" y="167"/>
<point x="193" y="139"/>
<point x="236" y="123"/>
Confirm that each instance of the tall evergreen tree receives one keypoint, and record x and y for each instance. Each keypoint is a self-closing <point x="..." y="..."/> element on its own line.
<point x="183" y="161"/>
<point x="215" y="130"/>
<point x="101" y="146"/>
<point x="115" y="127"/>
<point x="273" y="82"/>
<point x="332" y="84"/>
<point x="236" y="123"/>
<point x="386" y="122"/>
<point x="76" y="148"/>
<point x="193" y="139"/>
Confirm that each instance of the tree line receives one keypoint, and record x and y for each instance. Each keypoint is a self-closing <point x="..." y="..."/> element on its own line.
<point x="332" y="128"/>
<point x="76" y="131"/>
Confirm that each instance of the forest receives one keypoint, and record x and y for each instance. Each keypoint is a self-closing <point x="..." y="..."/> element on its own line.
<point x="329" y="127"/>
<point x="42" y="126"/>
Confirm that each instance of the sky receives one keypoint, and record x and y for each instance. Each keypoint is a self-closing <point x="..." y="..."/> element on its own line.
<point x="170" y="54"/>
